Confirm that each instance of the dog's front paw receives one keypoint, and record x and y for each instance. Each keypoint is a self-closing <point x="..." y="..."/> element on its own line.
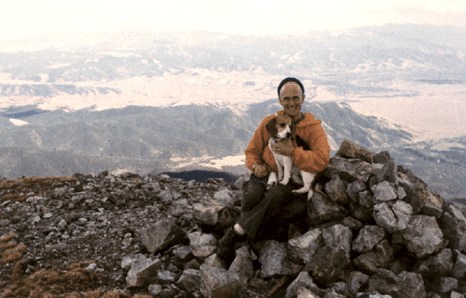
<point x="285" y="181"/>
<point x="302" y="190"/>
<point x="272" y="179"/>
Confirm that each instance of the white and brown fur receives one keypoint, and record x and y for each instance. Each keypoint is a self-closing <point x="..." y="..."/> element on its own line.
<point x="280" y="130"/>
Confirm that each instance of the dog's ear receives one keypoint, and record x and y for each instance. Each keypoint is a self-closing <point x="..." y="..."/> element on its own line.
<point x="271" y="127"/>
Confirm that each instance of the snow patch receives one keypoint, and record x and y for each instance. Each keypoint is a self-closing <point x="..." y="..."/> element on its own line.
<point x="228" y="161"/>
<point x="18" y="122"/>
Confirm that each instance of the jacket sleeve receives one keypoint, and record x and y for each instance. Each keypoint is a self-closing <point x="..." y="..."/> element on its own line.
<point x="316" y="159"/>
<point x="256" y="146"/>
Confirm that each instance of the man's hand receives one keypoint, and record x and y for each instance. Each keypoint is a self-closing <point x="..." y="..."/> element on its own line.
<point x="283" y="148"/>
<point x="260" y="170"/>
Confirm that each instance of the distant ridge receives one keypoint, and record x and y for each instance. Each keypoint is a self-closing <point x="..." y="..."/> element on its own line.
<point x="202" y="175"/>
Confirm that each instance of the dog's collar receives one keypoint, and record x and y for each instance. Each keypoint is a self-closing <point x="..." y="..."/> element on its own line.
<point x="300" y="119"/>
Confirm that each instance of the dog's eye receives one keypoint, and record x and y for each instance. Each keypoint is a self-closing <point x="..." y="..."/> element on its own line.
<point x="282" y="124"/>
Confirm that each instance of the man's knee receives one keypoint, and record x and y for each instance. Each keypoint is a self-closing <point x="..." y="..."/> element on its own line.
<point x="252" y="195"/>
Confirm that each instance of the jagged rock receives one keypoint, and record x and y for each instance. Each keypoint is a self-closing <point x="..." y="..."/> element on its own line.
<point x="183" y="253"/>
<point x="366" y="199"/>
<point x="352" y="223"/>
<point x="303" y="280"/>
<point x="456" y="295"/>
<point x="367" y="238"/>
<point x="335" y="189"/>
<point x="437" y="265"/>
<point x="459" y="269"/>
<point x="349" y="169"/>
<point x="142" y="270"/>
<point x="161" y="235"/>
<point x="453" y="225"/>
<point x="388" y="172"/>
<point x="207" y="214"/>
<point x="360" y="212"/>
<point x="224" y="197"/>
<point x="393" y="217"/>
<point x="274" y="261"/>
<point x="356" y="186"/>
<point x="155" y="290"/>
<point x="327" y="264"/>
<point x="381" y="157"/>
<point x="423" y="236"/>
<point x="352" y="151"/>
<point x="165" y="277"/>
<point x="384" y="192"/>
<point x="333" y="294"/>
<point x="190" y="280"/>
<point x="373" y="295"/>
<point x="214" y="261"/>
<point x="303" y="248"/>
<point x="219" y="283"/>
<point x="371" y="261"/>
<point x="444" y="284"/>
<point x="242" y="262"/>
<point x="321" y="209"/>
<point x="203" y="245"/>
<point x="302" y="292"/>
<point x="411" y="284"/>
<point x="422" y="200"/>
<point x="356" y="280"/>
<point x="338" y="236"/>
<point x="385" y="282"/>
<point x="340" y="288"/>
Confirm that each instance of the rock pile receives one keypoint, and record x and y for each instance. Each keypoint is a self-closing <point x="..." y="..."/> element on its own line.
<point x="371" y="229"/>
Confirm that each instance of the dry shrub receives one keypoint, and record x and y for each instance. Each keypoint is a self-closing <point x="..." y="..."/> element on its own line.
<point x="9" y="252"/>
<point x="45" y="184"/>
<point x="54" y="284"/>
<point x="12" y="254"/>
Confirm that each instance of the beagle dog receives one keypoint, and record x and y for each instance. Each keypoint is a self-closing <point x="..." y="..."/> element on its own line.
<point x="280" y="131"/>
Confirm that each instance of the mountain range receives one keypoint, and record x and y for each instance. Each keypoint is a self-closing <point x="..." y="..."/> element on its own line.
<point x="144" y="101"/>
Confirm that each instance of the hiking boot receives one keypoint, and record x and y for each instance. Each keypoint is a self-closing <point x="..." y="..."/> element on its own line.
<point x="226" y="248"/>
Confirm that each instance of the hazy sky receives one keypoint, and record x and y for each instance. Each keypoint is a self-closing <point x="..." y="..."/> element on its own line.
<point x="28" y="18"/>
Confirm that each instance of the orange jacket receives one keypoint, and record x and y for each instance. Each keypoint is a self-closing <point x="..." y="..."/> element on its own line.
<point x="309" y="129"/>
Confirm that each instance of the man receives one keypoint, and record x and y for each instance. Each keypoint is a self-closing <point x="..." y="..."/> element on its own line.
<point x="310" y="152"/>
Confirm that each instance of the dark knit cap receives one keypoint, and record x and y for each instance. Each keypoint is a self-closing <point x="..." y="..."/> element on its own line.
<point x="290" y="80"/>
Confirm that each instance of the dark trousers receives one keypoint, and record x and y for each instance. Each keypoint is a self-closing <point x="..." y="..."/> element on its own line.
<point x="260" y="205"/>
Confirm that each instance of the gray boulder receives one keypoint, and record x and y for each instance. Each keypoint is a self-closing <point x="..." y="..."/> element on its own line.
<point x="393" y="217"/>
<point x="459" y="269"/>
<point x="423" y="236"/>
<point x="336" y="190"/>
<point x="338" y="236"/>
<point x="367" y="238"/>
<point x="303" y="248"/>
<point x="203" y="245"/>
<point x="242" y="262"/>
<point x="453" y="225"/>
<point x="273" y="259"/>
<point x="161" y="235"/>
<point x="383" y="192"/>
<point x="321" y="209"/>
<point x="219" y="283"/>
<point x="436" y="265"/>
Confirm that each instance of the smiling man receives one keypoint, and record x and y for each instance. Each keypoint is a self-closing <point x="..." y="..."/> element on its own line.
<point x="309" y="151"/>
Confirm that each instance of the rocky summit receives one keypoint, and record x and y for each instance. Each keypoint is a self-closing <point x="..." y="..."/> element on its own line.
<point x="372" y="229"/>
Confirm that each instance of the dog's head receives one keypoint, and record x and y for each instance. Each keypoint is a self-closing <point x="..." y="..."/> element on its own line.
<point x="279" y="127"/>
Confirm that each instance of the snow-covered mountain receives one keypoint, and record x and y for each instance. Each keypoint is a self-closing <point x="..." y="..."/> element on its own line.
<point x="152" y="101"/>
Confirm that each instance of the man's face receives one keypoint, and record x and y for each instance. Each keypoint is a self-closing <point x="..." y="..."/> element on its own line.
<point x="291" y="98"/>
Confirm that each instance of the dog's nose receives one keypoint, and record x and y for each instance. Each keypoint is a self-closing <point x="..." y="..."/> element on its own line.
<point x="288" y="134"/>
